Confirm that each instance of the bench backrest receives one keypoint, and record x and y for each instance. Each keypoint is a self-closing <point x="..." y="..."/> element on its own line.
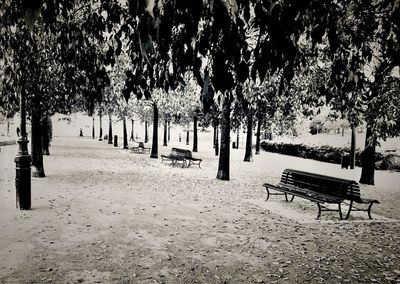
<point x="137" y="144"/>
<point x="181" y="153"/>
<point x="342" y="188"/>
<point x="178" y="152"/>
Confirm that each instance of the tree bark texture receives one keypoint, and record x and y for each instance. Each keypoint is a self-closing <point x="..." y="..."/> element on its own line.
<point x="37" y="143"/>
<point x="368" y="159"/>
<point x="110" y="136"/>
<point x="165" y="133"/>
<point x="195" y="139"/>
<point x="258" y="134"/>
<point x="353" y="148"/>
<point x="223" y="166"/>
<point x="154" y="147"/>
<point x="248" y="156"/>
<point x="125" y="134"/>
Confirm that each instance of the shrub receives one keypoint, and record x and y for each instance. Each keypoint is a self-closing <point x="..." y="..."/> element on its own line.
<point x="327" y="154"/>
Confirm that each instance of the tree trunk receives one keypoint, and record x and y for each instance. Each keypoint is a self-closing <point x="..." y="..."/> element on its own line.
<point x="154" y="147"/>
<point x="169" y="131"/>
<point x="187" y="137"/>
<point x="125" y="134"/>
<point x="132" y="132"/>
<point x="353" y="148"/>
<point x="110" y="130"/>
<point x="223" y="166"/>
<point x="37" y="143"/>
<point x="195" y="139"/>
<point x="216" y="141"/>
<point x="46" y="128"/>
<point x="258" y="136"/>
<point x="248" y="156"/>
<point x="368" y="159"/>
<point x="93" y="127"/>
<point x="101" y="127"/>
<point x="237" y="137"/>
<point x="146" y="136"/>
<point x="165" y="133"/>
<point x="215" y="135"/>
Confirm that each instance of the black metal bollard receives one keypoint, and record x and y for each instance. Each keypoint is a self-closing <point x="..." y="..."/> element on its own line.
<point x="345" y="161"/>
<point x="23" y="178"/>
<point x="115" y="140"/>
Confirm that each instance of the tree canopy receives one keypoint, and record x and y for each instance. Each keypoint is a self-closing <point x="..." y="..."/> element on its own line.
<point x="61" y="53"/>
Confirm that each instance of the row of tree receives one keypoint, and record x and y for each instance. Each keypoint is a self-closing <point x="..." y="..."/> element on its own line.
<point x="251" y="60"/>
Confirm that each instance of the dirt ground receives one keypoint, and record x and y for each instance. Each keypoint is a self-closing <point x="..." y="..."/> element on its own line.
<point x="105" y="215"/>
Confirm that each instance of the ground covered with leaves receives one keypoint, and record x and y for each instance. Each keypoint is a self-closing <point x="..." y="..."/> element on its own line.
<point x="104" y="214"/>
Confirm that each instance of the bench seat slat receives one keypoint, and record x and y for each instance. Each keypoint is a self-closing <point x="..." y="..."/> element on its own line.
<point x="308" y="194"/>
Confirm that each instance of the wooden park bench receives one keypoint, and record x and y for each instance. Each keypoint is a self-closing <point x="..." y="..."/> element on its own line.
<point x="181" y="156"/>
<point x="139" y="148"/>
<point x="320" y="189"/>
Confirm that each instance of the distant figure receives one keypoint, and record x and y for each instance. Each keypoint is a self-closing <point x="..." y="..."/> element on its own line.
<point x="180" y="137"/>
<point x="18" y="131"/>
<point x="80" y="133"/>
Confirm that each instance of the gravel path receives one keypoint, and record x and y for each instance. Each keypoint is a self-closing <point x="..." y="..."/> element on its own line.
<point x="103" y="214"/>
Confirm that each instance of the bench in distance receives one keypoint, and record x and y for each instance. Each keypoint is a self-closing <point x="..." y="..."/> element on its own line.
<point x="181" y="156"/>
<point x="139" y="148"/>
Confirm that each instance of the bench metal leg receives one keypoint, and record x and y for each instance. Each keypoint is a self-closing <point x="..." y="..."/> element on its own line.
<point x="278" y="193"/>
<point x="369" y="210"/>
<point x="323" y="208"/>
<point x="359" y="209"/>
<point x="319" y="210"/>
<point x="350" y="207"/>
<point x="287" y="199"/>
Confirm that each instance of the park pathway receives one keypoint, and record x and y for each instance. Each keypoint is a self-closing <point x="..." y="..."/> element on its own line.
<point x="103" y="214"/>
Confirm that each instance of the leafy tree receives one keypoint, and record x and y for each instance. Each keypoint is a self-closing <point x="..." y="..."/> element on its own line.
<point x="363" y="41"/>
<point x="185" y="107"/>
<point x="56" y="65"/>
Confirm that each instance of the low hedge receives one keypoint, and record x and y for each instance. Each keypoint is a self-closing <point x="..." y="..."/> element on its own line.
<point x="327" y="154"/>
